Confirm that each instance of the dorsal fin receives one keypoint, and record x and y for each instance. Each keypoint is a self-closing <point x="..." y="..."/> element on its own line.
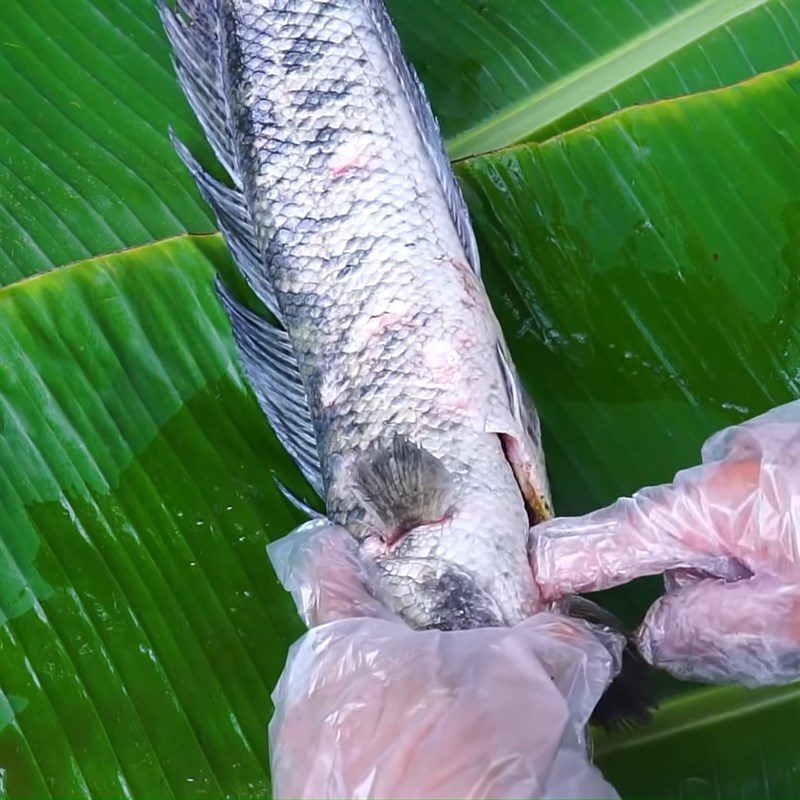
<point x="265" y="351"/>
<point x="194" y="33"/>
<point x="299" y="504"/>
<point x="235" y="222"/>
<point x="269" y="362"/>
<point x="428" y="129"/>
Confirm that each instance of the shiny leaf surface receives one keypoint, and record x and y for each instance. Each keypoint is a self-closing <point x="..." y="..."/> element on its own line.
<point x="645" y="268"/>
<point x="648" y="283"/>
<point x="720" y="743"/>
<point x="142" y="628"/>
<point x="88" y="94"/>
<point x="86" y="166"/>
<point x="513" y="70"/>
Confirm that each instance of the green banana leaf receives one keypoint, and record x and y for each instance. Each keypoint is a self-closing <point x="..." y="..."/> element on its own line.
<point x="142" y="628"/>
<point x="86" y="100"/>
<point x="88" y="94"/>
<point x="645" y="267"/>
<point x="514" y="70"/>
<point x="648" y="282"/>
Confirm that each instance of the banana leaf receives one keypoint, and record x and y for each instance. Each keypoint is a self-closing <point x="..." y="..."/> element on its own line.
<point x="514" y="71"/>
<point x="142" y="628"/>
<point x="88" y="94"/>
<point x="644" y="263"/>
<point x="87" y="97"/>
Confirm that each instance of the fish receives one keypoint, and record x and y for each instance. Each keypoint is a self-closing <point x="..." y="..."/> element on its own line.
<point x="385" y="373"/>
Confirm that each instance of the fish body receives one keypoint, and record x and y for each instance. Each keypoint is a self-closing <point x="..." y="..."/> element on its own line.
<point x="388" y="378"/>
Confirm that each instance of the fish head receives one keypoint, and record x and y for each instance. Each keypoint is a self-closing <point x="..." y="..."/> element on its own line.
<point x="444" y="539"/>
<point x="467" y="570"/>
<point x="430" y="593"/>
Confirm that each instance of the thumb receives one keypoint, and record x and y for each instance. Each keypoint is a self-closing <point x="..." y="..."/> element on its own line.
<point x="745" y="632"/>
<point x="319" y="564"/>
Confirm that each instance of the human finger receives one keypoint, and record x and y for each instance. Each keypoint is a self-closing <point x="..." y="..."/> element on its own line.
<point x="745" y="632"/>
<point x="684" y="524"/>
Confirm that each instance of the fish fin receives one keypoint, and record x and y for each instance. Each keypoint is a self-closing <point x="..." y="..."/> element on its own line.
<point x="265" y="351"/>
<point x="235" y="222"/>
<point x="193" y="30"/>
<point x="271" y="367"/>
<point x="630" y="698"/>
<point x="299" y="504"/>
<point x="520" y="403"/>
<point x="403" y="485"/>
<point x="428" y="129"/>
<point x="523" y="445"/>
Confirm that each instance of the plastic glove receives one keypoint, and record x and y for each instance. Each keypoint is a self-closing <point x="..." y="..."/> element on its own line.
<point x="728" y="535"/>
<point x="368" y="707"/>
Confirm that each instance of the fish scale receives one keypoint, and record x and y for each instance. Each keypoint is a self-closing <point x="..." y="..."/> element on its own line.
<point x="350" y="226"/>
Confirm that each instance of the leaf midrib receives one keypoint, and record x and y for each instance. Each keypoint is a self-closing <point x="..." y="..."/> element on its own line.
<point x="80" y="263"/>
<point x="523" y="119"/>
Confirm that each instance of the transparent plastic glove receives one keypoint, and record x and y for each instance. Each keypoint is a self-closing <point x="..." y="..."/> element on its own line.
<point x="727" y="533"/>
<point x="368" y="707"/>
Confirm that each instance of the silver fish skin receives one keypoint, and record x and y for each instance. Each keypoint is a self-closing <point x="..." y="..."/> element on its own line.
<point x="388" y="378"/>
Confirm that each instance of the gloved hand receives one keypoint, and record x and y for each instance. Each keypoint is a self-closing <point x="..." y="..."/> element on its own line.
<point x="368" y="707"/>
<point x="727" y="533"/>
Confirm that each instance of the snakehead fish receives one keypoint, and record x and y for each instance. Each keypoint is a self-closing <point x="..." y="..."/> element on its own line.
<point x="387" y="378"/>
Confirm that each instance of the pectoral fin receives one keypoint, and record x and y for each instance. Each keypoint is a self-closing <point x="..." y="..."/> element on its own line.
<point x="401" y="486"/>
